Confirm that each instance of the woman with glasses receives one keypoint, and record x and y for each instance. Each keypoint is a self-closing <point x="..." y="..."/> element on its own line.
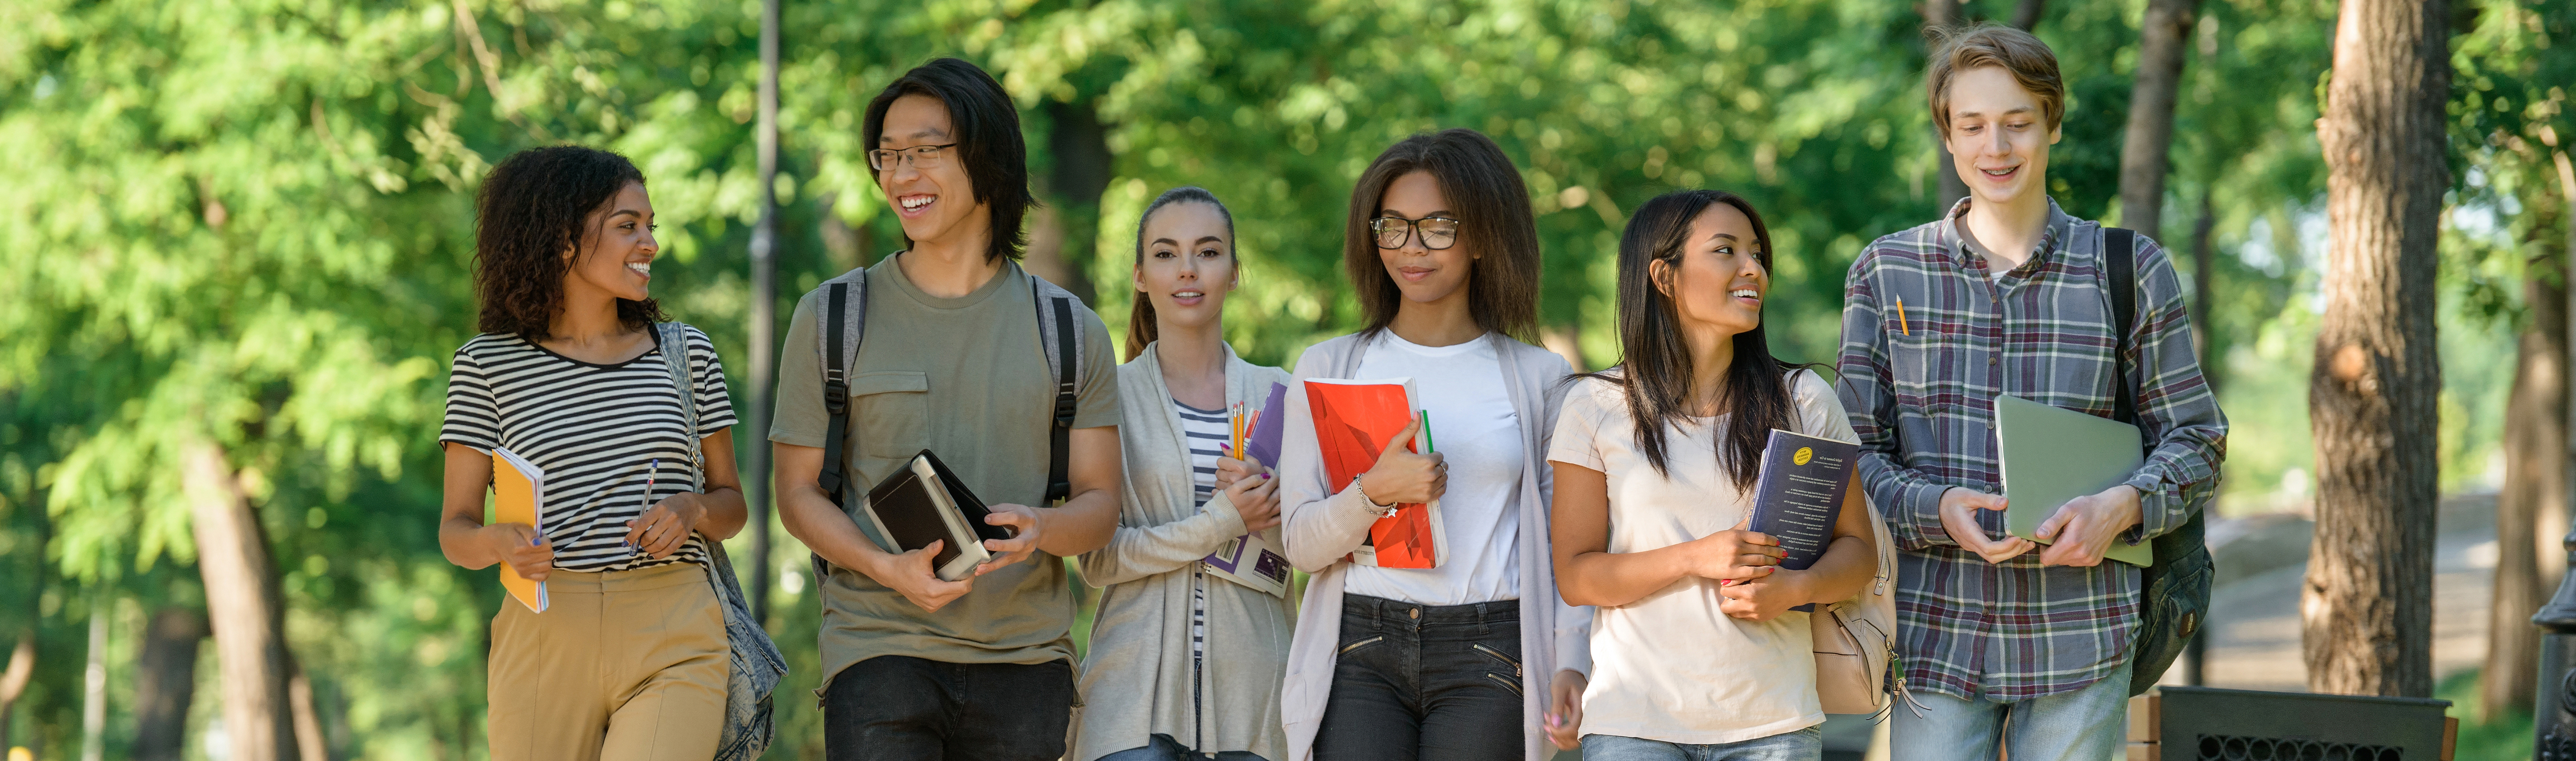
<point x="1186" y="653"/>
<point x="629" y="659"/>
<point x="1477" y="657"/>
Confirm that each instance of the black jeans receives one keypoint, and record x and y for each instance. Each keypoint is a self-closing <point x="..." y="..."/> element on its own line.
<point x="897" y="708"/>
<point x="1424" y="683"/>
<point x="1163" y="748"/>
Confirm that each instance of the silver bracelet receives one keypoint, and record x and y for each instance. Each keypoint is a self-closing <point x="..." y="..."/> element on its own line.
<point x="1382" y="510"/>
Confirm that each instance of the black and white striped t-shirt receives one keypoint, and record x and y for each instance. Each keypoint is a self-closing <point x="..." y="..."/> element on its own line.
<point x="1207" y="432"/>
<point x="594" y="430"/>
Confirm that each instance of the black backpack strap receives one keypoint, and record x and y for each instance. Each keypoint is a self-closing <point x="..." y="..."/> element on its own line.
<point x="1057" y="330"/>
<point x="2119" y="254"/>
<point x="844" y="327"/>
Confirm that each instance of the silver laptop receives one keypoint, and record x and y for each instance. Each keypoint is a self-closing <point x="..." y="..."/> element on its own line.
<point x="2054" y="455"/>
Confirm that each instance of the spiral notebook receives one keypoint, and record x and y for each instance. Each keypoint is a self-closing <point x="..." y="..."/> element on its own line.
<point x="518" y="494"/>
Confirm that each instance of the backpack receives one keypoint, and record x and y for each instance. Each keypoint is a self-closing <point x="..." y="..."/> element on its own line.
<point x="2176" y="589"/>
<point x="844" y="324"/>
<point x="1855" y="640"/>
<point x="757" y="665"/>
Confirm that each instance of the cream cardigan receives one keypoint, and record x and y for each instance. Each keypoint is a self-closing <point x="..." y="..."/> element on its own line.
<point x="1325" y="521"/>
<point x="1136" y="678"/>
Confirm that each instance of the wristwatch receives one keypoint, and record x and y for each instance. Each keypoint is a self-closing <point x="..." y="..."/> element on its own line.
<point x="1382" y="510"/>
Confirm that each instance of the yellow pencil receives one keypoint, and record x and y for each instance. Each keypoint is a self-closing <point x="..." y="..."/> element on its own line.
<point x="1234" y="439"/>
<point x="1900" y="317"/>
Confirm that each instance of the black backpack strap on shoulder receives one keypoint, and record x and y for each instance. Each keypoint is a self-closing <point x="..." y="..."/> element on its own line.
<point x="836" y="391"/>
<point x="2120" y="255"/>
<point x="1057" y="330"/>
<point x="844" y="326"/>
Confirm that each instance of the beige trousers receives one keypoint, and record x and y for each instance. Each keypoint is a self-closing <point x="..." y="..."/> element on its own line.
<point x="622" y="665"/>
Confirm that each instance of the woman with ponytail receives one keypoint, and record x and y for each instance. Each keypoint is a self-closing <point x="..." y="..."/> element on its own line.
<point x="1185" y="662"/>
<point x="1655" y="465"/>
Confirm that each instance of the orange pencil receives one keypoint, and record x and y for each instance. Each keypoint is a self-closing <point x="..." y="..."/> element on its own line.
<point x="1900" y="317"/>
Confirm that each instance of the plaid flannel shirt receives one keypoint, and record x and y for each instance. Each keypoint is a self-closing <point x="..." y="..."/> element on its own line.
<point x="1920" y="384"/>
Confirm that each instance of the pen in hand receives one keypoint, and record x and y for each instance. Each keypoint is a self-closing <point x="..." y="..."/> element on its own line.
<point x="653" y="472"/>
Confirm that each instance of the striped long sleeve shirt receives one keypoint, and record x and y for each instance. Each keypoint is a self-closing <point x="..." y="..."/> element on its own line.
<point x="1920" y="382"/>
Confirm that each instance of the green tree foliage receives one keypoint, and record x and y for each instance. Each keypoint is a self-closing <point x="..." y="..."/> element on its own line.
<point x="250" y="223"/>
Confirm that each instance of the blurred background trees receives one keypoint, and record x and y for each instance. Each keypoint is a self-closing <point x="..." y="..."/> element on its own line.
<point x="235" y="247"/>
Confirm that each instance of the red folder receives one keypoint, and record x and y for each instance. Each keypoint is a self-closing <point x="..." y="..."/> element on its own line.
<point x="1353" y="421"/>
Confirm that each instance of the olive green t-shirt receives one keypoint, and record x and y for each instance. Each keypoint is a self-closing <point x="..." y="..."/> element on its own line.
<point x="965" y="378"/>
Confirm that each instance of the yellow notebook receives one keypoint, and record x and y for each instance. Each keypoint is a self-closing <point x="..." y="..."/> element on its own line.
<point x="518" y="487"/>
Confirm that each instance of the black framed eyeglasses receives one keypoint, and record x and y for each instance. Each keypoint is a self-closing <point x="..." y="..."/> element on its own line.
<point x="1438" y="233"/>
<point x="921" y="156"/>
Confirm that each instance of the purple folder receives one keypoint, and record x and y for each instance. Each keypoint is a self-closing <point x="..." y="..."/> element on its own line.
<point x="1262" y="443"/>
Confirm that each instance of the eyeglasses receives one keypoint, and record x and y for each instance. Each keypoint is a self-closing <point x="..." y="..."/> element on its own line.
<point x="1438" y="233"/>
<point x="921" y="156"/>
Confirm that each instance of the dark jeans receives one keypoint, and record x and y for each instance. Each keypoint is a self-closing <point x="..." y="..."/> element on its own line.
<point x="1424" y="683"/>
<point x="1164" y="748"/>
<point x="897" y="708"/>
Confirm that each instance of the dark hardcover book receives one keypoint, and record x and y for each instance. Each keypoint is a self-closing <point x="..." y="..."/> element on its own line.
<point x="1800" y="494"/>
<point x="925" y="502"/>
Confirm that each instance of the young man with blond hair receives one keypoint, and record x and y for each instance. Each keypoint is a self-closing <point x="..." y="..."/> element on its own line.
<point x="2008" y="642"/>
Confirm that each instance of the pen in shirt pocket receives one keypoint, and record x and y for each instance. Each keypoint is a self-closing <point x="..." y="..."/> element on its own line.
<point x="1900" y="317"/>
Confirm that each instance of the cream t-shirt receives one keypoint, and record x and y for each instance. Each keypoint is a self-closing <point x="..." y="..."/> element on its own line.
<point x="1670" y="666"/>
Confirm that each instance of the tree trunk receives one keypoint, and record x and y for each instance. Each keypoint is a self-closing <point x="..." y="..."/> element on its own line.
<point x="165" y="683"/>
<point x="1078" y="145"/>
<point x="2204" y="281"/>
<point x="94" y="680"/>
<point x="2161" y="43"/>
<point x="2026" y="14"/>
<point x="2552" y="526"/>
<point x="1940" y="15"/>
<point x="243" y="603"/>
<point x="2367" y="604"/>
<point x="22" y="659"/>
<point x="308" y="722"/>
<point x="2535" y="485"/>
<point x="13" y="682"/>
<point x="2204" y="342"/>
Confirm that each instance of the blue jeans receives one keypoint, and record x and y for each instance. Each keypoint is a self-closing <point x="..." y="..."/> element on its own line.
<point x="1794" y="745"/>
<point x="2084" y="725"/>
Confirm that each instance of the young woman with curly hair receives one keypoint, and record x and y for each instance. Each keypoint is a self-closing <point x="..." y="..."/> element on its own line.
<point x="629" y="660"/>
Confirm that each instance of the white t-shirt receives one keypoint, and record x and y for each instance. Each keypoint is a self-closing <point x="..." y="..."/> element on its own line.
<point x="1670" y="666"/>
<point x="1476" y="430"/>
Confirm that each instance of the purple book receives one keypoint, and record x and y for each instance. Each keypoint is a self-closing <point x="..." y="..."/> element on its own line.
<point x="1249" y="559"/>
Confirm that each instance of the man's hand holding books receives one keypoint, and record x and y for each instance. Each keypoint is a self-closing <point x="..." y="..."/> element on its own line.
<point x="910" y="575"/>
<point x="1029" y="525"/>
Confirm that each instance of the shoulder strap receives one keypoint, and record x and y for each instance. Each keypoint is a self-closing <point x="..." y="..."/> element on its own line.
<point x="2119" y="254"/>
<point x="1061" y="340"/>
<point x="844" y="324"/>
<point x="675" y="355"/>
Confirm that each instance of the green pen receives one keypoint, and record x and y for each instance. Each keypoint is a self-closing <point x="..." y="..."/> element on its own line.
<point x="1426" y="432"/>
